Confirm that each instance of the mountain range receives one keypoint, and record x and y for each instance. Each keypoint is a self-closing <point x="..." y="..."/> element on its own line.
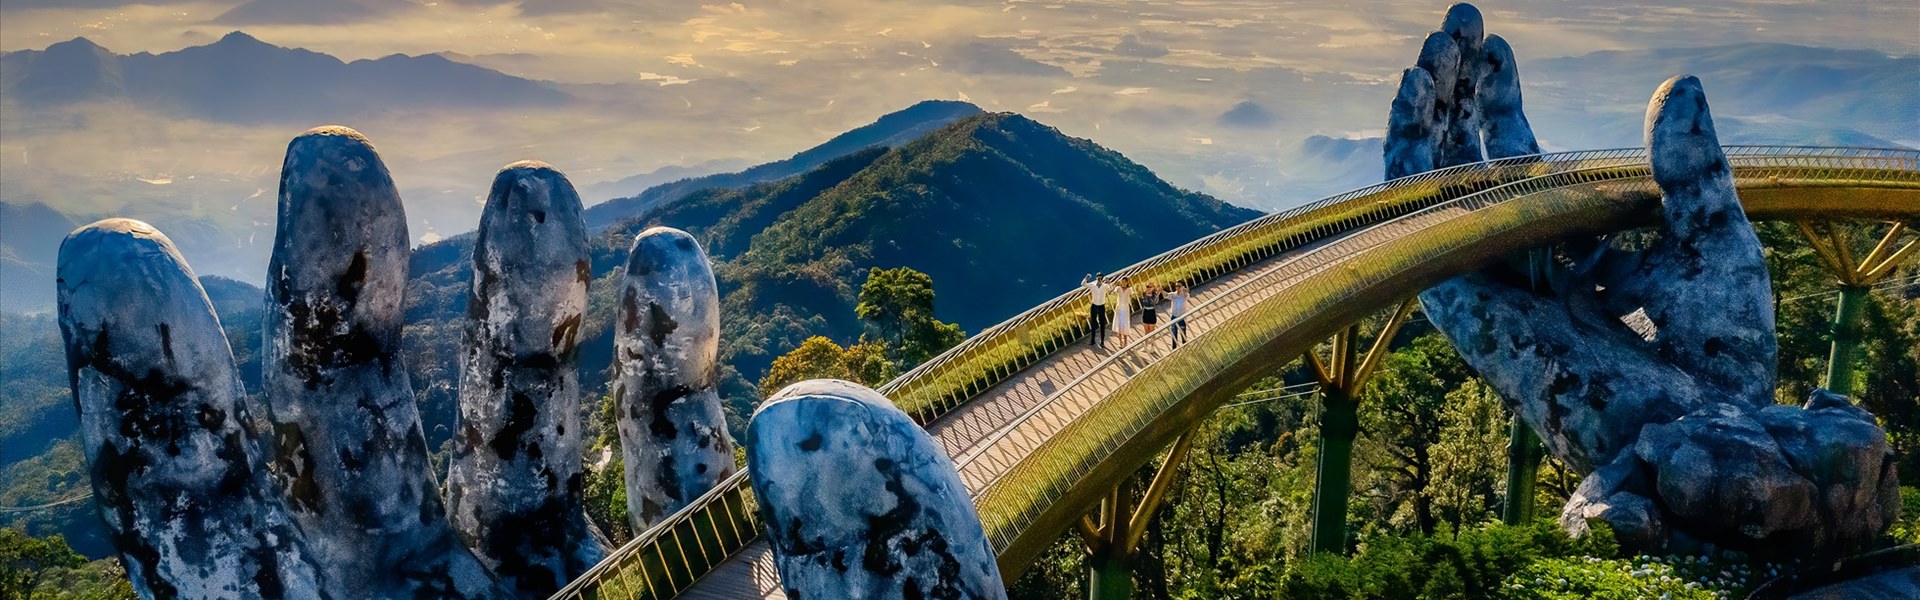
<point x="242" y="79"/>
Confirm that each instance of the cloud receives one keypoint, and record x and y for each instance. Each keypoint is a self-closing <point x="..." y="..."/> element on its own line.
<point x="981" y="58"/>
<point x="19" y="5"/>
<point x="307" y="12"/>
<point x="664" y="80"/>
<point x="1132" y="46"/>
<point x="1043" y="107"/>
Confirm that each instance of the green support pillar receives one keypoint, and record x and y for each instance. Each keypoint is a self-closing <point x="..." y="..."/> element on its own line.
<point x="1113" y="543"/>
<point x="1109" y="577"/>
<point x="1333" y="479"/>
<point x="1846" y="339"/>
<point x="1833" y="245"/>
<point x="1341" y="380"/>
<point x="1524" y="452"/>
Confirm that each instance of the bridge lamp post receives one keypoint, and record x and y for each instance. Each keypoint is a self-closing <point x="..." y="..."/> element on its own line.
<point x="1834" y="248"/>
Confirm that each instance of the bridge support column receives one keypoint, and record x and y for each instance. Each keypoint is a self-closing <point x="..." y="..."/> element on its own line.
<point x="1834" y="247"/>
<point x="1341" y="380"/>
<point x="1846" y="339"/>
<point x="1333" y="476"/>
<point x="1113" y="542"/>
<point x="1524" y="452"/>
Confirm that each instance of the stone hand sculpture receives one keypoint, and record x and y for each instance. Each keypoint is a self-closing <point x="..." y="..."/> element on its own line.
<point x="673" y="432"/>
<point x="514" y="483"/>
<point x="176" y="475"/>
<point x="860" y="503"/>
<point x="1674" y="417"/>
<point x="338" y="499"/>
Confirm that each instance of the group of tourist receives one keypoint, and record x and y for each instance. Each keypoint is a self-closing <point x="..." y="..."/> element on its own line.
<point x="1114" y="300"/>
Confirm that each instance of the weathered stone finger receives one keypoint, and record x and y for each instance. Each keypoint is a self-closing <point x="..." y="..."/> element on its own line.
<point x="514" y="484"/>
<point x="1507" y="132"/>
<point x="1466" y="26"/>
<point x="1460" y="134"/>
<point x="673" y="431"/>
<point x="1704" y="284"/>
<point x="860" y="503"/>
<point x="1619" y="494"/>
<point x="1410" y="136"/>
<point x="176" y="475"/>
<point x="351" y="458"/>
<point x="1440" y="58"/>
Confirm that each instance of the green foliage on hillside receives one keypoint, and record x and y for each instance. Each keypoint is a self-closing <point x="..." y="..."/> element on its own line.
<point x="606" y="490"/>
<point x="24" y="561"/>
<point x="33" y="380"/>
<point x="35" y="568"/>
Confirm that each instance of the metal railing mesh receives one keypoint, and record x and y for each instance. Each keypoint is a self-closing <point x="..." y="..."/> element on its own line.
<point x="1118" y="398"/>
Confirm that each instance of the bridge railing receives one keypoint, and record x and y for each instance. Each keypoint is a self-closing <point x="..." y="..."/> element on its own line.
<point x="1126" y="397"/>
<point x="671" y="556"/>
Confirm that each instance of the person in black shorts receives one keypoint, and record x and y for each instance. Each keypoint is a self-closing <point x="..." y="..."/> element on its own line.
<point x="1149" y="306"/>
<point x="1097" y="289"/>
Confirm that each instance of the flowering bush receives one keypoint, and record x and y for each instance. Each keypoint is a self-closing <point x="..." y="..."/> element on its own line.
<point x="1533" y="562"/>
<point x="1634" y="578"/>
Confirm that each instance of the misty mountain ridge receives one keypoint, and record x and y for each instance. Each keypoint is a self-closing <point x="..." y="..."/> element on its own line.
<point x="1771" y="93"/>
<point x="242" y="79"/>
<point x="30" y="236"/>
<point x="892" y="129"/>
<point x="634" y="185"/>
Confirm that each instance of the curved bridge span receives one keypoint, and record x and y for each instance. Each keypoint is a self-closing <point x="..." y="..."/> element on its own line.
<point x="1041" y="427"/>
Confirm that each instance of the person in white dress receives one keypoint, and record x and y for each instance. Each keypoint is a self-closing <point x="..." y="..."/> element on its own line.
<point x="1122" y="300"/>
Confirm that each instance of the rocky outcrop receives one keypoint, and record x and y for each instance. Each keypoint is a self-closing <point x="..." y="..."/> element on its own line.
<point x="1889" y="585"/>
<point x="1674" y="415"/>
<point x="673" y="431"/>
<point x="514" y="483"/>
<point x="176" y="475"/>
<point x="350" y="457"/>
<point x="859" y="502"/>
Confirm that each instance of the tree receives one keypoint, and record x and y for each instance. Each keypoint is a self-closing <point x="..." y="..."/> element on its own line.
<point x="1467" y="486"/>
<point x="899" y="304"/>
<point x="1405" y="415"/>
<point x="893" y="298"/>
<point x="25" y="559"/>
<point x="820" y="358"/>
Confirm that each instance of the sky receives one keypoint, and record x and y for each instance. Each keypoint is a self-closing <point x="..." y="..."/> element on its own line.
<point x="690" y="83"/>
